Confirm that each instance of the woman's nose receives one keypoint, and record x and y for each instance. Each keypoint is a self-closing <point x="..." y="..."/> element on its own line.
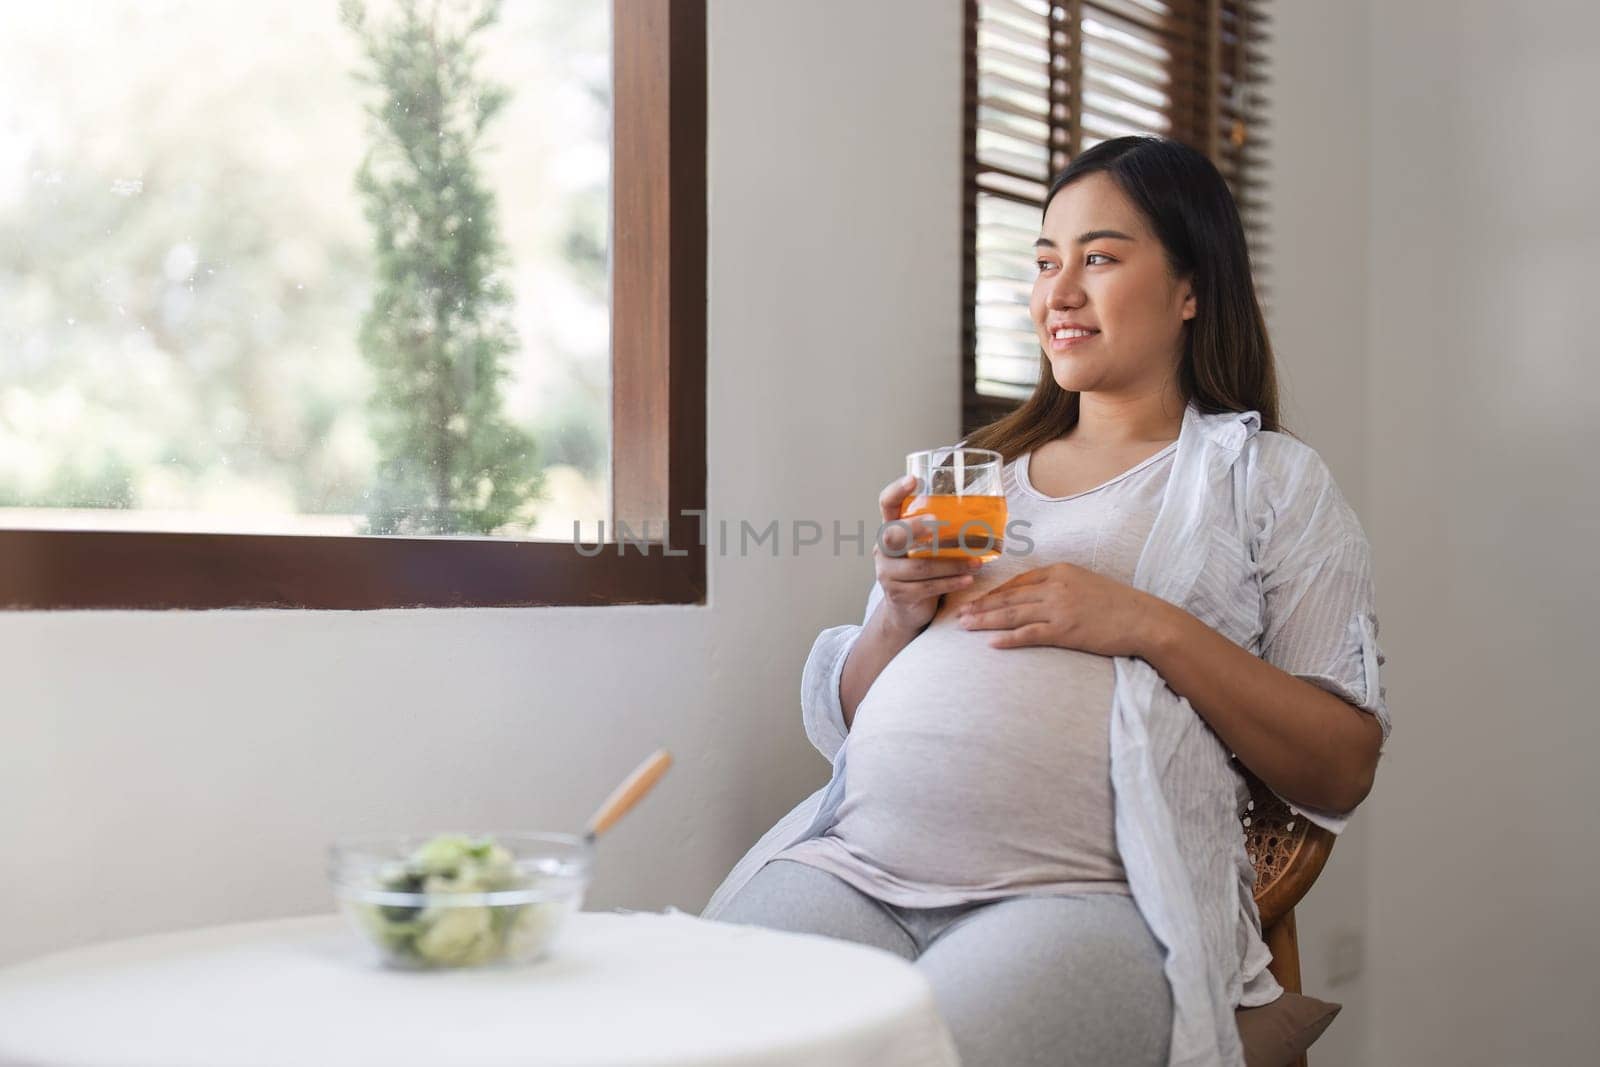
<point x="1066" y="291"/>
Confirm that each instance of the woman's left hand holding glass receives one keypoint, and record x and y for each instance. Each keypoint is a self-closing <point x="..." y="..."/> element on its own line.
<point x="1066" y="606"/>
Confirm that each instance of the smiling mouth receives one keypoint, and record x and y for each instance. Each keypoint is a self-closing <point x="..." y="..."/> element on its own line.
<point x="1063" y="339"/>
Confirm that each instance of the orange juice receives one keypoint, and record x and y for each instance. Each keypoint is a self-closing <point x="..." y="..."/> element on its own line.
<point x="982" y="517"/>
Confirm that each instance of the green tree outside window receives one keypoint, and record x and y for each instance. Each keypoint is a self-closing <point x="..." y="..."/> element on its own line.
<point x="438" y="332"/>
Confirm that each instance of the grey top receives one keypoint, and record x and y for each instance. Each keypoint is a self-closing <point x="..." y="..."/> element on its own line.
<point x="978" y="773"/>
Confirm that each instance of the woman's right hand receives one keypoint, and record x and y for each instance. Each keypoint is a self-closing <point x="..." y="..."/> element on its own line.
<point x="912" y="587"/>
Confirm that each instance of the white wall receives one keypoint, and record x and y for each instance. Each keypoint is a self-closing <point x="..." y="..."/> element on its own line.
<point x="166" y="770"/>
<point x="1434" y="220"/>
<point x="1483" y="377"/>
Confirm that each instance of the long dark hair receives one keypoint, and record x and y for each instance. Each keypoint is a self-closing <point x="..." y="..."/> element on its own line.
<point x="1227" y="360"/>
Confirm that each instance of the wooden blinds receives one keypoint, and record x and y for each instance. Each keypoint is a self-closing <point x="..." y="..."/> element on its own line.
<point x="1046" y="80"/>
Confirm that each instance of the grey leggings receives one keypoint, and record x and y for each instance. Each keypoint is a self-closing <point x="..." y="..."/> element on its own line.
<point x="1025" y="981"/>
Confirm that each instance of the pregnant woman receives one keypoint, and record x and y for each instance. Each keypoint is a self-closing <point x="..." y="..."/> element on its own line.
<point x="1035" y="791"/>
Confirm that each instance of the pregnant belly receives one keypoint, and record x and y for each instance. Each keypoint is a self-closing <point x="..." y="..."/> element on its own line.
<point x="965" y="759"/>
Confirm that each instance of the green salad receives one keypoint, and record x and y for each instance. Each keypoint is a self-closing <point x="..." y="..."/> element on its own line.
<point x="449" y="933"/>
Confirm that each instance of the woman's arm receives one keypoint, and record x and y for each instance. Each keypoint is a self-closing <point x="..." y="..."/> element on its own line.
<point x="1312" y="748"/>
<point x="880" y="642"/>
<point x="905" y="596"/>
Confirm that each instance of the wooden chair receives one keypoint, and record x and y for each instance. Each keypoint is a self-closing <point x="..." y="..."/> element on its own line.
<point x="1288" y="851"/>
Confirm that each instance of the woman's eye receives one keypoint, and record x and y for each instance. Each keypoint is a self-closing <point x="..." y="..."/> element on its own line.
<point x="1043" y="265"/>
<point x="1094" y="255"/>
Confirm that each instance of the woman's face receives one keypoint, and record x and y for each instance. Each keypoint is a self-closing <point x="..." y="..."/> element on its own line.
<point x="1100" y="268"/>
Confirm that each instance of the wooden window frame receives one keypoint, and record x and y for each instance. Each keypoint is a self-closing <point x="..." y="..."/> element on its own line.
<point x="658" y="409"/>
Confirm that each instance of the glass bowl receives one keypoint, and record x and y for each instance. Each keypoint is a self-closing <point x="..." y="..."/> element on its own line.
<point x="460" y="900"/>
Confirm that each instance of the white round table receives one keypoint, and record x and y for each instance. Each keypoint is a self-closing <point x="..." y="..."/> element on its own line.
<point x="618" y="988"/>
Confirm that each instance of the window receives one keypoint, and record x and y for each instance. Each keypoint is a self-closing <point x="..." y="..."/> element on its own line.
<point x="236" y="376"/>
<point x="1046" y="80"/>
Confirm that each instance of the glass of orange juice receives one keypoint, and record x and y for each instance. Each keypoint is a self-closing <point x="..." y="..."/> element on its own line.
<point x="961" y="488"/>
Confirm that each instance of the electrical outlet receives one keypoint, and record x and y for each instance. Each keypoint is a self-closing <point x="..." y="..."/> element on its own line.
<point x="1346" y="952"/>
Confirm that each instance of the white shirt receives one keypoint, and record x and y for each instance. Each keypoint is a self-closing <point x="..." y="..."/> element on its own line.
<point x="1255" y="540"/>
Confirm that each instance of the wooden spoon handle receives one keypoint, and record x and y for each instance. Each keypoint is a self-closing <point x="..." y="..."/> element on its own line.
<point x="632" y="789"/>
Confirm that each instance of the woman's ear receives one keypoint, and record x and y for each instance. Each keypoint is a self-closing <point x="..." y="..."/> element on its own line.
<point x="1189" y="306"/>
